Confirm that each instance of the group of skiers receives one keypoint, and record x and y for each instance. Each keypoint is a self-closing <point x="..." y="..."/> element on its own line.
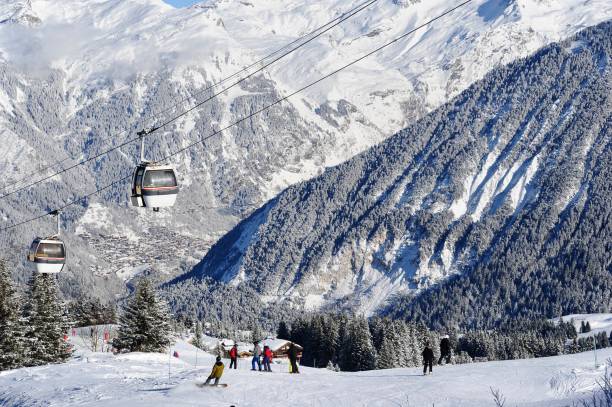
<point x="256" y="363"/>
<point x="292" y="353"/>
<point x="428" y="354"/>
<point x="258" y="354"/>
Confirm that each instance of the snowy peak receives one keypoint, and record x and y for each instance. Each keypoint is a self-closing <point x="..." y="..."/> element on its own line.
<point x="84" y="76"/>
<point x="18" y="12"/>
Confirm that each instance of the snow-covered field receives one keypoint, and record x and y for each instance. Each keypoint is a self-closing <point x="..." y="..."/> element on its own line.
<point x="140" y="379"/>
<point x="598" y="322"/>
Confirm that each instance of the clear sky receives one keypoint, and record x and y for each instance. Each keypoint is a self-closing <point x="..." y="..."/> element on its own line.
<point x="181" y="3"/>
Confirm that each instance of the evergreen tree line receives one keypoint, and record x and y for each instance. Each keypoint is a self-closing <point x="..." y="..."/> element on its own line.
<point x="599" y="340"/>
<point x="91" y="311"/>
<point x="32" y="326"/>
<point x="354" y="343"/>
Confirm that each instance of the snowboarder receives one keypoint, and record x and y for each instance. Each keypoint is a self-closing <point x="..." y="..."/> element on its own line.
<point x="445" y="350"/>
<point x="256" y="356"/>
<point x="217" y="372"/>
<point x="293" y="354"/>
<point x="267" y="358"/>
<point x="233" y="354"/>
<point x="428" y="357"/>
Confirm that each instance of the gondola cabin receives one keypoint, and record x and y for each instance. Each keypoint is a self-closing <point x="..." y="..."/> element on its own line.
<point x="48" y="254"/>
<point x="154" y="186"/>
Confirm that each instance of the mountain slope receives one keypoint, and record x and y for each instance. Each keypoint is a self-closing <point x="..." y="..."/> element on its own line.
<point x="75" y="74"/>
<point x="154" y="380"/>
<point x="493" y="205"/>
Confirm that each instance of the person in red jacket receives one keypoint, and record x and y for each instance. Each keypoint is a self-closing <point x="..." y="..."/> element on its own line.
<point x="267" y="354"/>
<point x="233" y="354"/>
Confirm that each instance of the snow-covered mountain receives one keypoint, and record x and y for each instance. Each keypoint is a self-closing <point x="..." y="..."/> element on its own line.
<point x="77" y="76"/>
<point x="498" y="199"/>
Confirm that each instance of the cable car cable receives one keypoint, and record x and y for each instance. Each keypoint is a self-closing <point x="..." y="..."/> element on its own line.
<point x="252" y="114"/>
<point x="195" y="95"/>
<point x="345" y="17"/>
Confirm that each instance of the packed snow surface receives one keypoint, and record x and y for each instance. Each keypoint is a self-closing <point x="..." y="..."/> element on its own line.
<point x="145" y="379"/>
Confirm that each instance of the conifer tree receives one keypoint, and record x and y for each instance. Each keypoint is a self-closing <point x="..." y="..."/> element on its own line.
<point x="11" y="340"/>
<point x="329" y="340"/>
<point x="587" y="327"/>
<point x="387" y="351"/>
<point x="44" y="323"/>
<point x="144" y="325"/>
<point x="358" y="352"/>
<point x="283" y="331"/>
<point x="256" y="334"/>
<point x="197" y="339"/>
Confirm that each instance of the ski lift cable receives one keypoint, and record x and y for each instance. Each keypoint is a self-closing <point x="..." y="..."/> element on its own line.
<point x="120" y="180"/>
<point x="186" y="98"/>
<point x="143" y="121"/>
<point x="201" y="140"/>
<point x="343" y="18"/>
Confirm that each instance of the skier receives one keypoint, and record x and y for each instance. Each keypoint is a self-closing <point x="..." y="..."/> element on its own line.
<point x="293" y="354"/>
<point x="428" y="357"/>
<point x="256" y="356"/>
<point x="233" y="354"/>
<point x="267" y="358"/>
<point x="445" y="350"/>
<point x="217" y="372"/>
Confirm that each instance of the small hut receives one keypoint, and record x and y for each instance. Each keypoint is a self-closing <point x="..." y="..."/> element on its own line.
<point x="280" y="347"/>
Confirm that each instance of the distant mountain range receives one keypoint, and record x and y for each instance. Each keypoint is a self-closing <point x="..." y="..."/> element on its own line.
<point x="78" y="76"/>
<point x="496" y="204"/>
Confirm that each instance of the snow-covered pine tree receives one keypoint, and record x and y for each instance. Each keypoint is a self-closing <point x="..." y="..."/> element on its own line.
<point x="44" y="323"/>
<point x="197" y="339"/>
<point x="359" y="352"/>
<point x="144" y="325"/>
<point x="256" y="333"/>
<point x="402" y="343"/>
<point x="329" y="341"/>
<point x="11" y="339"/>
<point x="413" y="348"/>
<point x="387" y="353"/>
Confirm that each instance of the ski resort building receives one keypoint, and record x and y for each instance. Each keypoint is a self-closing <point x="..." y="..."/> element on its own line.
<point x="280" y="347"/>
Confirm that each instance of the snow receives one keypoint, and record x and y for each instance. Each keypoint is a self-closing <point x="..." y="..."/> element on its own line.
<point x="146" y="379"/>
<point x="598" y="322"/>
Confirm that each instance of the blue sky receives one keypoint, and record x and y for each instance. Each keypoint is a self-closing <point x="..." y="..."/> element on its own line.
<point x="181" y="3"/>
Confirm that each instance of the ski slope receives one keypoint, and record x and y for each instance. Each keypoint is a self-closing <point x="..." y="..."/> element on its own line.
<point x="143" y="379"/>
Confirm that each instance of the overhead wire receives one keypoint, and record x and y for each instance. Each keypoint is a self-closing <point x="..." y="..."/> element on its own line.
<point x="142" y="122"/>
<point x="201" y="140"/>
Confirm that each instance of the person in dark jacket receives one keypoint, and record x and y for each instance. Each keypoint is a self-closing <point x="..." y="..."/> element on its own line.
<point x="233" y="354"/>
<point x="445" y="350"/>
<point x="293" y="355"/>
<point x="217" y="372"/>
<point x="428" y="357"/>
